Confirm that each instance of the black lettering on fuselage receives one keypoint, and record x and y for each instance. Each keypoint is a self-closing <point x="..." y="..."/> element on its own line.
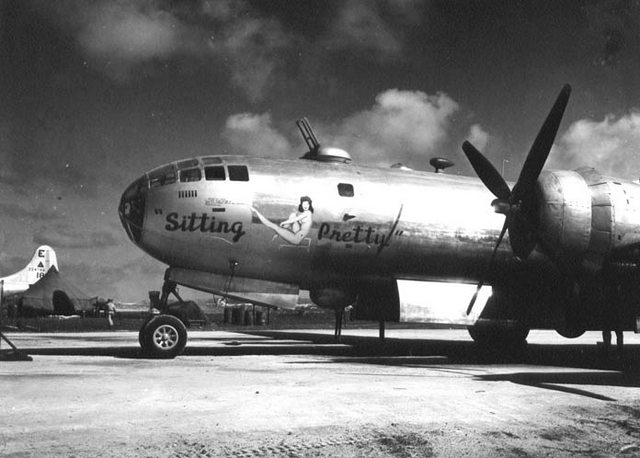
<point x="203" y="223"/>
<point x="358" y="234"/>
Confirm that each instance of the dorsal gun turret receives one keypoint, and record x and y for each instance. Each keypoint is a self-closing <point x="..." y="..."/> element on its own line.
<point x="317" y="152"/>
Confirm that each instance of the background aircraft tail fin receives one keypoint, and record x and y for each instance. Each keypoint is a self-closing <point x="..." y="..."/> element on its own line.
<point x="43" y="259"/>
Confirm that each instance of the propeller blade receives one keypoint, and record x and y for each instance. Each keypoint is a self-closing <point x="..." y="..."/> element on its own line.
<point x="520" y="229"/>
<point x="491" y="264"/>
<point x="487" y="172"/>
<point x="522" y="234"/>
<point x="541" y="147"/>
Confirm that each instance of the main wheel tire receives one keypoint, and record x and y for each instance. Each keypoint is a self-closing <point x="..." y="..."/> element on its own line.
<point x="165" y="336"/>
<point x="570" y="333"/>
<point x="499" y="336"/>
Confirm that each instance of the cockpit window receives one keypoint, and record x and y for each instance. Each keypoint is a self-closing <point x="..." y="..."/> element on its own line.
<point x="215" y="172"/>
<point x="211" y="160"/>
<point x="238" y="173"/>
<point x="345" y="189"/>
<point x="187" y="164"/>
<point x="189" y="175"/>
<point x="162" y="176"/>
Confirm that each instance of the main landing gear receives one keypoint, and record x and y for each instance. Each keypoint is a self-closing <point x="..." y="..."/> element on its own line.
<point x="499" y="335"/>
<point x="163" y="335"/>
<point x="337" y="333"/>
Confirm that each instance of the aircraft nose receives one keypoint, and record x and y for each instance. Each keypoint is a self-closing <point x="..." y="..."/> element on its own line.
<point x="132" y="208"/>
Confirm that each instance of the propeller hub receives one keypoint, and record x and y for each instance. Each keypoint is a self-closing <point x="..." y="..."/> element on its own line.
<point x="501" y="206"/>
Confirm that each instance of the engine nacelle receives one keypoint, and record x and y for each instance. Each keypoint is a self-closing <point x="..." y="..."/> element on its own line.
<point x="564" y="218"/>
<point x="332" y="297"/>
<point x="583" y="218"/>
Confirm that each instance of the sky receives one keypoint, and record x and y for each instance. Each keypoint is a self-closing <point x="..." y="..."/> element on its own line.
<point x="95" y="93"/>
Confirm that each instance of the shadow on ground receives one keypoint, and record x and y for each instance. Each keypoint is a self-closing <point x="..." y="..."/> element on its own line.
<point x="563" y="368"/>
<point x="363" y="350"/>
<point x="591" y="367"/>
<point x="409" y="351"/>
<point x="558" y="380"/>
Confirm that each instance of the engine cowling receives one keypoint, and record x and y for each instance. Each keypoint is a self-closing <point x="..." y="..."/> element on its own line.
<point x="564" y="215"/>
<point x="584" y="219"/>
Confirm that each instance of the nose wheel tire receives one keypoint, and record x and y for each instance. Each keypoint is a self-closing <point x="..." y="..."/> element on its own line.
<point x="141" y="335"/>
<point x="164" y="336"/>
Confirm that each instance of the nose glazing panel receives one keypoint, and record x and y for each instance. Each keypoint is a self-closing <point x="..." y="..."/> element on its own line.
<point x="131" y="209"/>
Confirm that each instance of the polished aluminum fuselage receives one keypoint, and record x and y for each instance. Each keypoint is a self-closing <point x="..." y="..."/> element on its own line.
<point x="388" y="223"/>
<point x="371" y="225"/>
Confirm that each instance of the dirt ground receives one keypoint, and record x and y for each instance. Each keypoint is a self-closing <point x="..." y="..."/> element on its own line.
<point x="278" y="393"/>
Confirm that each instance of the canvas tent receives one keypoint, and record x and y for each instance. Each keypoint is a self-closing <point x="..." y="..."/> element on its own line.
<point x="53" y="295"/>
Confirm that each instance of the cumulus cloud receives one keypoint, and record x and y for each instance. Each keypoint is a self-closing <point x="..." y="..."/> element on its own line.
<point x="123" y="37"/>
<point x="117" y="30"/>
<point x="612" y="146"/>
<point x="254" y="135"/>
<point x="373" y="27"/>
<point x="404" y="125"/>
<point x="118" y="37"/>
<point x="251" y="47"/>
<point x="360" y="25"/>
<point x="251" y="44"/>
<point x="478" y="137"/>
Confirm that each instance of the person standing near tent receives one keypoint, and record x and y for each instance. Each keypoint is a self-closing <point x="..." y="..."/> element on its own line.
<point x="110" y="311"/>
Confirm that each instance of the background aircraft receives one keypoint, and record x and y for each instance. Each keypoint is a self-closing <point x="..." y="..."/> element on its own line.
<point x="560" y="248"/>
<point x="43" y="259"/>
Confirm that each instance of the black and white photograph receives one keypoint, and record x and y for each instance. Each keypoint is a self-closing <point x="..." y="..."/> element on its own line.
<point x="319" y="228"/>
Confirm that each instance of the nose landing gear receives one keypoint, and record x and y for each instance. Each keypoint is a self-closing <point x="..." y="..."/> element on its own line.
<point x="163" y="335"/>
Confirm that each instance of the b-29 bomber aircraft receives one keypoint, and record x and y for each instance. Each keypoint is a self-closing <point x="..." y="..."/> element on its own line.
<point x="559" y="250"/>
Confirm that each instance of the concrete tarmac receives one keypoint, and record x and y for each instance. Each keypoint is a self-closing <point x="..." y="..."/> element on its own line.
<point x="295" y="393"/>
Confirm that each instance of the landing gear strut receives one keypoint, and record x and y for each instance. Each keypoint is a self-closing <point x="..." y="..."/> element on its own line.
<point x="163" y="335"/>
<point x="168" y="287"/>
<point x="338" y="329"/>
